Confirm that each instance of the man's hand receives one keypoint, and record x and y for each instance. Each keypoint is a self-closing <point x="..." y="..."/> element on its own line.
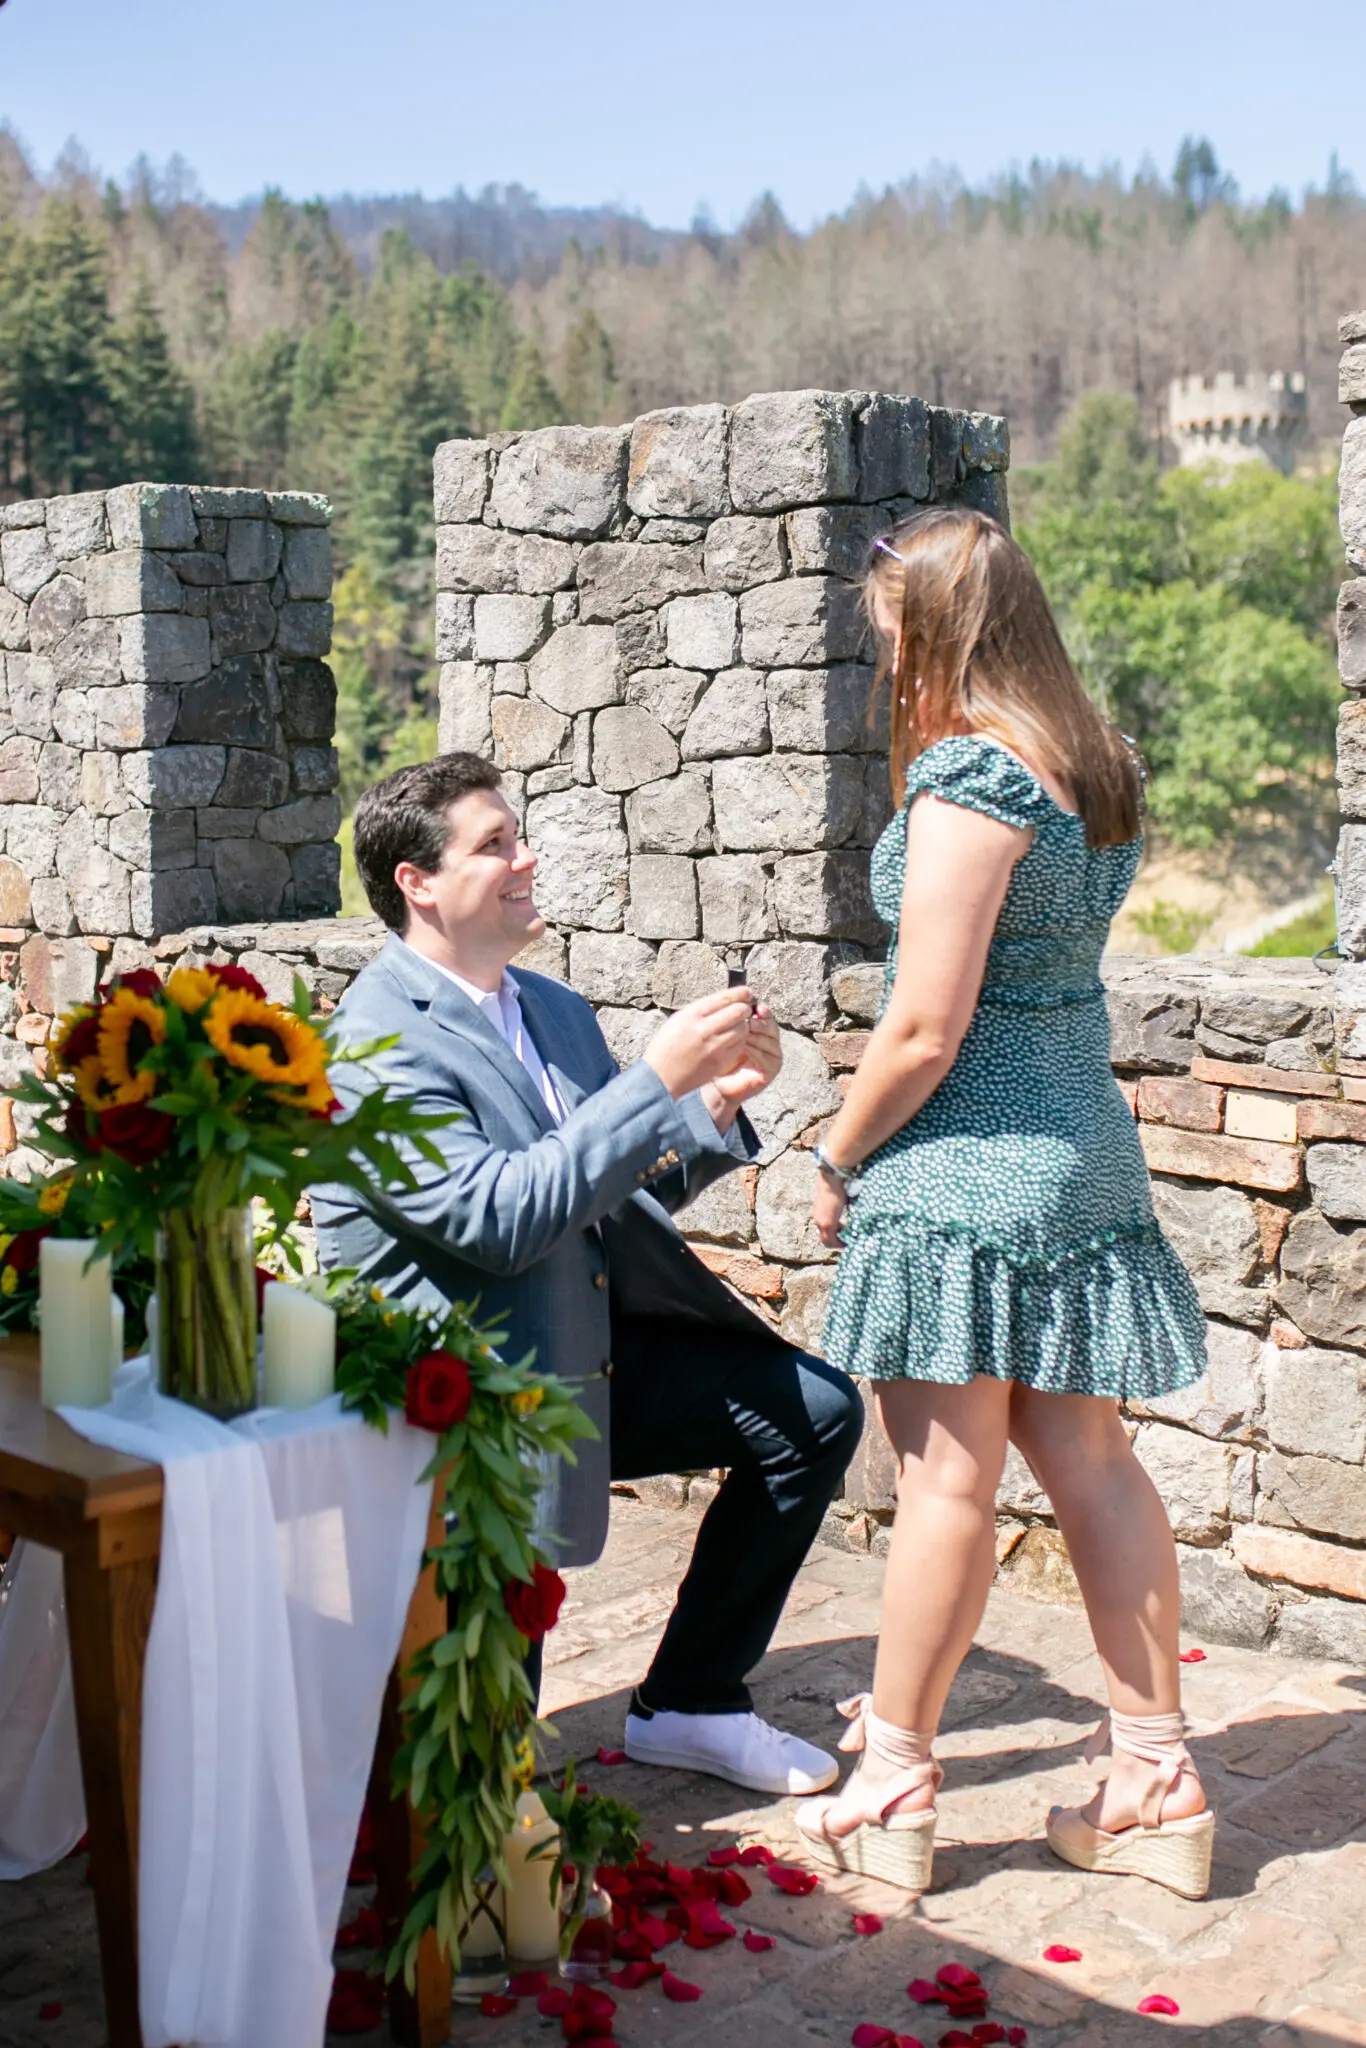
<point x="759" y="1064"/>
<point x="702" y="1041"/>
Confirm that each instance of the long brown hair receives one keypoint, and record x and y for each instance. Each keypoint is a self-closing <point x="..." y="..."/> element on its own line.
<point x="980" y="651"/>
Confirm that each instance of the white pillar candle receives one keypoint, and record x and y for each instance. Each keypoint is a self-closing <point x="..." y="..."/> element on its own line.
<point x="533" y="1917"/>
<point x="300" y="1348"/>
<point x="75" y="1323"/>
<point x="115" y="1333"/>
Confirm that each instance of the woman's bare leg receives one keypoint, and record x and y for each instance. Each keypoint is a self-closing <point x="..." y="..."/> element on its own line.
<point x="1124" y="1556"/>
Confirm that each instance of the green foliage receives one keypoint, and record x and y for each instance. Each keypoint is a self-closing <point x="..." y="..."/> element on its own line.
<point x="469" y="1720"/>
<point x="1197" y="605"/>
<point x="151" y="401"/>
<point x="588" y="380"/>
<point x="1312" y="932"/>
<point x="593" y="1830"/>
<point x="1176" y="929"/>
<point x="531" y="400"/>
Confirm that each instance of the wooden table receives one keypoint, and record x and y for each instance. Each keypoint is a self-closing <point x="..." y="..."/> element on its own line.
<point x="102" y="1511"/>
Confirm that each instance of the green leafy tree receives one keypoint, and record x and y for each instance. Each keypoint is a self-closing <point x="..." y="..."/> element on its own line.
<point x="247" y="414"/>
<point x="55" y="345"/>
<point x="151" y="401"/>
<point x="588" y="380"/>
<point x="531" y="399"/>
<point x="368" y="637"/>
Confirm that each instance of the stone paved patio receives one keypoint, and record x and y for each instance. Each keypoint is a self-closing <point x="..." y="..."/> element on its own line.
<point x="1275" y="1957"/>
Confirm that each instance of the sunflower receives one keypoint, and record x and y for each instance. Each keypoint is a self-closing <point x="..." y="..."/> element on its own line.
<point x="265" y="1040"/>
<point x="91" y="1084"/>
<point x="190" y="988"/>
<point x="77" y="1037"/>
<point x="130" y="1025"/>
<point x="52" y="1200"/>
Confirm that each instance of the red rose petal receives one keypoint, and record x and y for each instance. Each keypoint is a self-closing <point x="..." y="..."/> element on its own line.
<point x="554" y="2003"/>
<point x="633" y="1975"/>
<point x="756" y="1943"/>
<point x="1016" y="2036"/>
<point x="362" y="1932"/>
<point x="731" y="1887"/>
<point x="968" y="2008"/>
<point x="493" y="2005"/>
<point x="987" y="2033"/>
<point x="528" y="1984"/>
<point x="53" y="2009"/>
<point x="1057" y="1953"/>
<point x="1159" y="2002"/>
<point x="676" y="1988"/>
<point x="958" y="1977"/>
<point x="756" y="1857"/>
<point x="793" y="1880"/>
<point x="719" y="1858"/>
<point x="656" y="1931"/>
<point x="908" y="2041"/>
<point x="357" y="2003"/>
<point x="956" y="2038"/>
<point x="867" y="1923"/>
<point x="1192" y="1657"/>
<point x="869" y="2036"/>
<point x="922" y="1991"/>
<point x="612" y="1756"/>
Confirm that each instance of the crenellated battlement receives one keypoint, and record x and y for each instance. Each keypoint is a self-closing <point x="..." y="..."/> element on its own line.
<point x="1262" y="417"/>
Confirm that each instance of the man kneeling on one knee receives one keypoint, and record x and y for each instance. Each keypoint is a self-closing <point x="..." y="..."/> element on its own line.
<point x="552" y="1209"/>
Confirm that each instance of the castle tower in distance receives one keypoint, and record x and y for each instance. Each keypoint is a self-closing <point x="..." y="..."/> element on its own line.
<point x="1262" y="417"/>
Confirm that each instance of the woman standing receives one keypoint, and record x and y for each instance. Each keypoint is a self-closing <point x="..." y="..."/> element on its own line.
<point x="1003" y="1279"/>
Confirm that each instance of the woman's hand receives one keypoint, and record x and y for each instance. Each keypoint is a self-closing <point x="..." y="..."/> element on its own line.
<point x="829" y="1206"/>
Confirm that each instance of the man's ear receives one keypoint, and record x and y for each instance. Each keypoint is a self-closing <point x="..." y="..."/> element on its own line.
<point x="414" y="883"/>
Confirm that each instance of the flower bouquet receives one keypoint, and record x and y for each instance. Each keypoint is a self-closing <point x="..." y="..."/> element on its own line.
<point x="174" y="1107"/>
<point x="57" y="1205"/>
<point x="594" y="1830"/>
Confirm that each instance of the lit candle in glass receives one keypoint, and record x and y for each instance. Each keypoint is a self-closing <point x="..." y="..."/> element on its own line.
<point x="533" y="1917"/>
<point x="75" y="1323"/>
<point x="300" y="1347"/>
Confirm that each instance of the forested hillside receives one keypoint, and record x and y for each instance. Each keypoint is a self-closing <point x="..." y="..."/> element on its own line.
<point x="143" y="333"/>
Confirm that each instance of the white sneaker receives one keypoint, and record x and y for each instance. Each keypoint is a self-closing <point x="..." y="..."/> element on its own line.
<point x="738" y="1747"/>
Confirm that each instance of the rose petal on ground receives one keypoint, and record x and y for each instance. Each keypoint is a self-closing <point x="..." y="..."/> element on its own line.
<point x="52" y="2010"/>
<point x="1058" y="1952"/>
<point x="612" y="1756"/>
<point x="588" y="1998"/>
<point x="1159" y="2002"/>
<point x="756" y="1856"/>
<point x="586" y="2026"/>
<point x="988" y="2032"/>
<point x="719" y="1858"/>
<point x="970" y="2005"/>
<point x="1192" y="1657"/>
<point x="792" y="1879"/>
<point x="656" y="1931"/>
<point x="756" y="1943"/>
<point x="362" y="1932"/>
<point x="357" y="2003"/>
<point x="1016" y="2036"/>
<point x="493" y="2005"/>
<point x="867" y="1923"/>
<point x="922" y="1991"/>
<point x="528" y="1984"/>
<point x="958" y="1977"/>
<point x="554" y="2003"/>
<point x="867" y="2035"/>
<point x="955" y="2038"/>
<point x="908" y="2041"/>
<point x="633" y="1975"/>
<point x="733" y="1888"/>
<point x="678" y="1989"/>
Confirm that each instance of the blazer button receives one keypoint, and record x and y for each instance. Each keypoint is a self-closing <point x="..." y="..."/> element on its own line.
<point x="599" y="1280"/>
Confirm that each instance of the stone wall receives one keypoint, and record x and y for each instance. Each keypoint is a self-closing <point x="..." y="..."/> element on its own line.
<point x="165" y="715"/>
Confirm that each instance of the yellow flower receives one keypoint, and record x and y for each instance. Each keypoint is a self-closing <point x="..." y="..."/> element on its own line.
<point x="190" y="988"/>
<point x="265" y="1040"/>
<point x="6" y="1240"/>
<point x="91" y="1085"/>
<point x="528" y="1401"/>
<point x="9" y="1280"/>
<point x="376" y="1294"/>
<point x="524" y="1764"/>
<point x="130" y="1025"/>
<point x="67" y="1028"/>
<point x="52" y="1200"/>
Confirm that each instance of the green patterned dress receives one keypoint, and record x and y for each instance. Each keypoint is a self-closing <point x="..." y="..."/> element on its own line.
<point x="1008" y="1228"/>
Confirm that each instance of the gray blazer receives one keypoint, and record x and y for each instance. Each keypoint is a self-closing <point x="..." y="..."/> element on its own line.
<point x="527" y="1219"/>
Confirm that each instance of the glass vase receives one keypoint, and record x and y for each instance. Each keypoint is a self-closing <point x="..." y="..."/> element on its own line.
<point x="206" y="1310"/>
<point x="483" y="1964"/>
<point x="589" y="1940"/>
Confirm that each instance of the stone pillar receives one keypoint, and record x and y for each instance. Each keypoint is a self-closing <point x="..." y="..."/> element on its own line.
<point x="1351" y="855"/>
<point x="656" y="629"/>
<point x="166" y="716"/>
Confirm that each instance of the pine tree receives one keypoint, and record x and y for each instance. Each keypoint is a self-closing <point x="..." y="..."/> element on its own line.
<point x="588" y="382"/>
<point x="61" y="327"/>
<point x="153" y="405"/>
<point x="531" y="399"/>
<point x="247" y="415"/>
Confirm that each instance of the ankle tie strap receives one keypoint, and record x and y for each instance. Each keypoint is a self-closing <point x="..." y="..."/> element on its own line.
<point x="1160" y="1741"/>
<point x="907" y="1749"/>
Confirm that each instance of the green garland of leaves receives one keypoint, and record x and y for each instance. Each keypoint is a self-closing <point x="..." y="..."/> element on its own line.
<point x="470" y="1724"/>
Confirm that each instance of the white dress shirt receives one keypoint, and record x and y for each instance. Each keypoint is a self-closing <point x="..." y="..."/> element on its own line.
<point x="502" y="1006"/>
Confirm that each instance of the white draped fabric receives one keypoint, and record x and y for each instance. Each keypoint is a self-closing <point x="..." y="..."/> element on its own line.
<point x="290" y="1547"/>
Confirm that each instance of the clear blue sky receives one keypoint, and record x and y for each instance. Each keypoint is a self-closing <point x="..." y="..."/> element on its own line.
<point x="665" y="107"/>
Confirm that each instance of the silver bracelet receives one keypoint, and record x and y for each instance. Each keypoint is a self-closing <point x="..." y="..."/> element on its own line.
<point x="847" y="1176"/>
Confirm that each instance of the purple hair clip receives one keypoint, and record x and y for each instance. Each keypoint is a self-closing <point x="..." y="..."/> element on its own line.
<point x="883" y="546"/>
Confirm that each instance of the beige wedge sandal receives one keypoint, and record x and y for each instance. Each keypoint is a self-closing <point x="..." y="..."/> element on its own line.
<point x="1174" y="1853"/>
<point x="897" y="1848"/>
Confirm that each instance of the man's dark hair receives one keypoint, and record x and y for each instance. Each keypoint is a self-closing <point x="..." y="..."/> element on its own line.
<point x="405" y="818"/>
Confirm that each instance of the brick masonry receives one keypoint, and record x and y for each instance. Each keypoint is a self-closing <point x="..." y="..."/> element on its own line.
<point x="653" y="630"/>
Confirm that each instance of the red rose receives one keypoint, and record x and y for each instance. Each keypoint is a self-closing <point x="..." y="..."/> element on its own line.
<point x="136" y="1132"/>
<point x="82" y="1041"/>
<point x="438" y="1393"/>
<point x="535" y="1608"/>
<point x="22" y="1251"/>
<point x="238" y="977"/>
<point x="142" y="981"/>
<point x="82" y="1128"/>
